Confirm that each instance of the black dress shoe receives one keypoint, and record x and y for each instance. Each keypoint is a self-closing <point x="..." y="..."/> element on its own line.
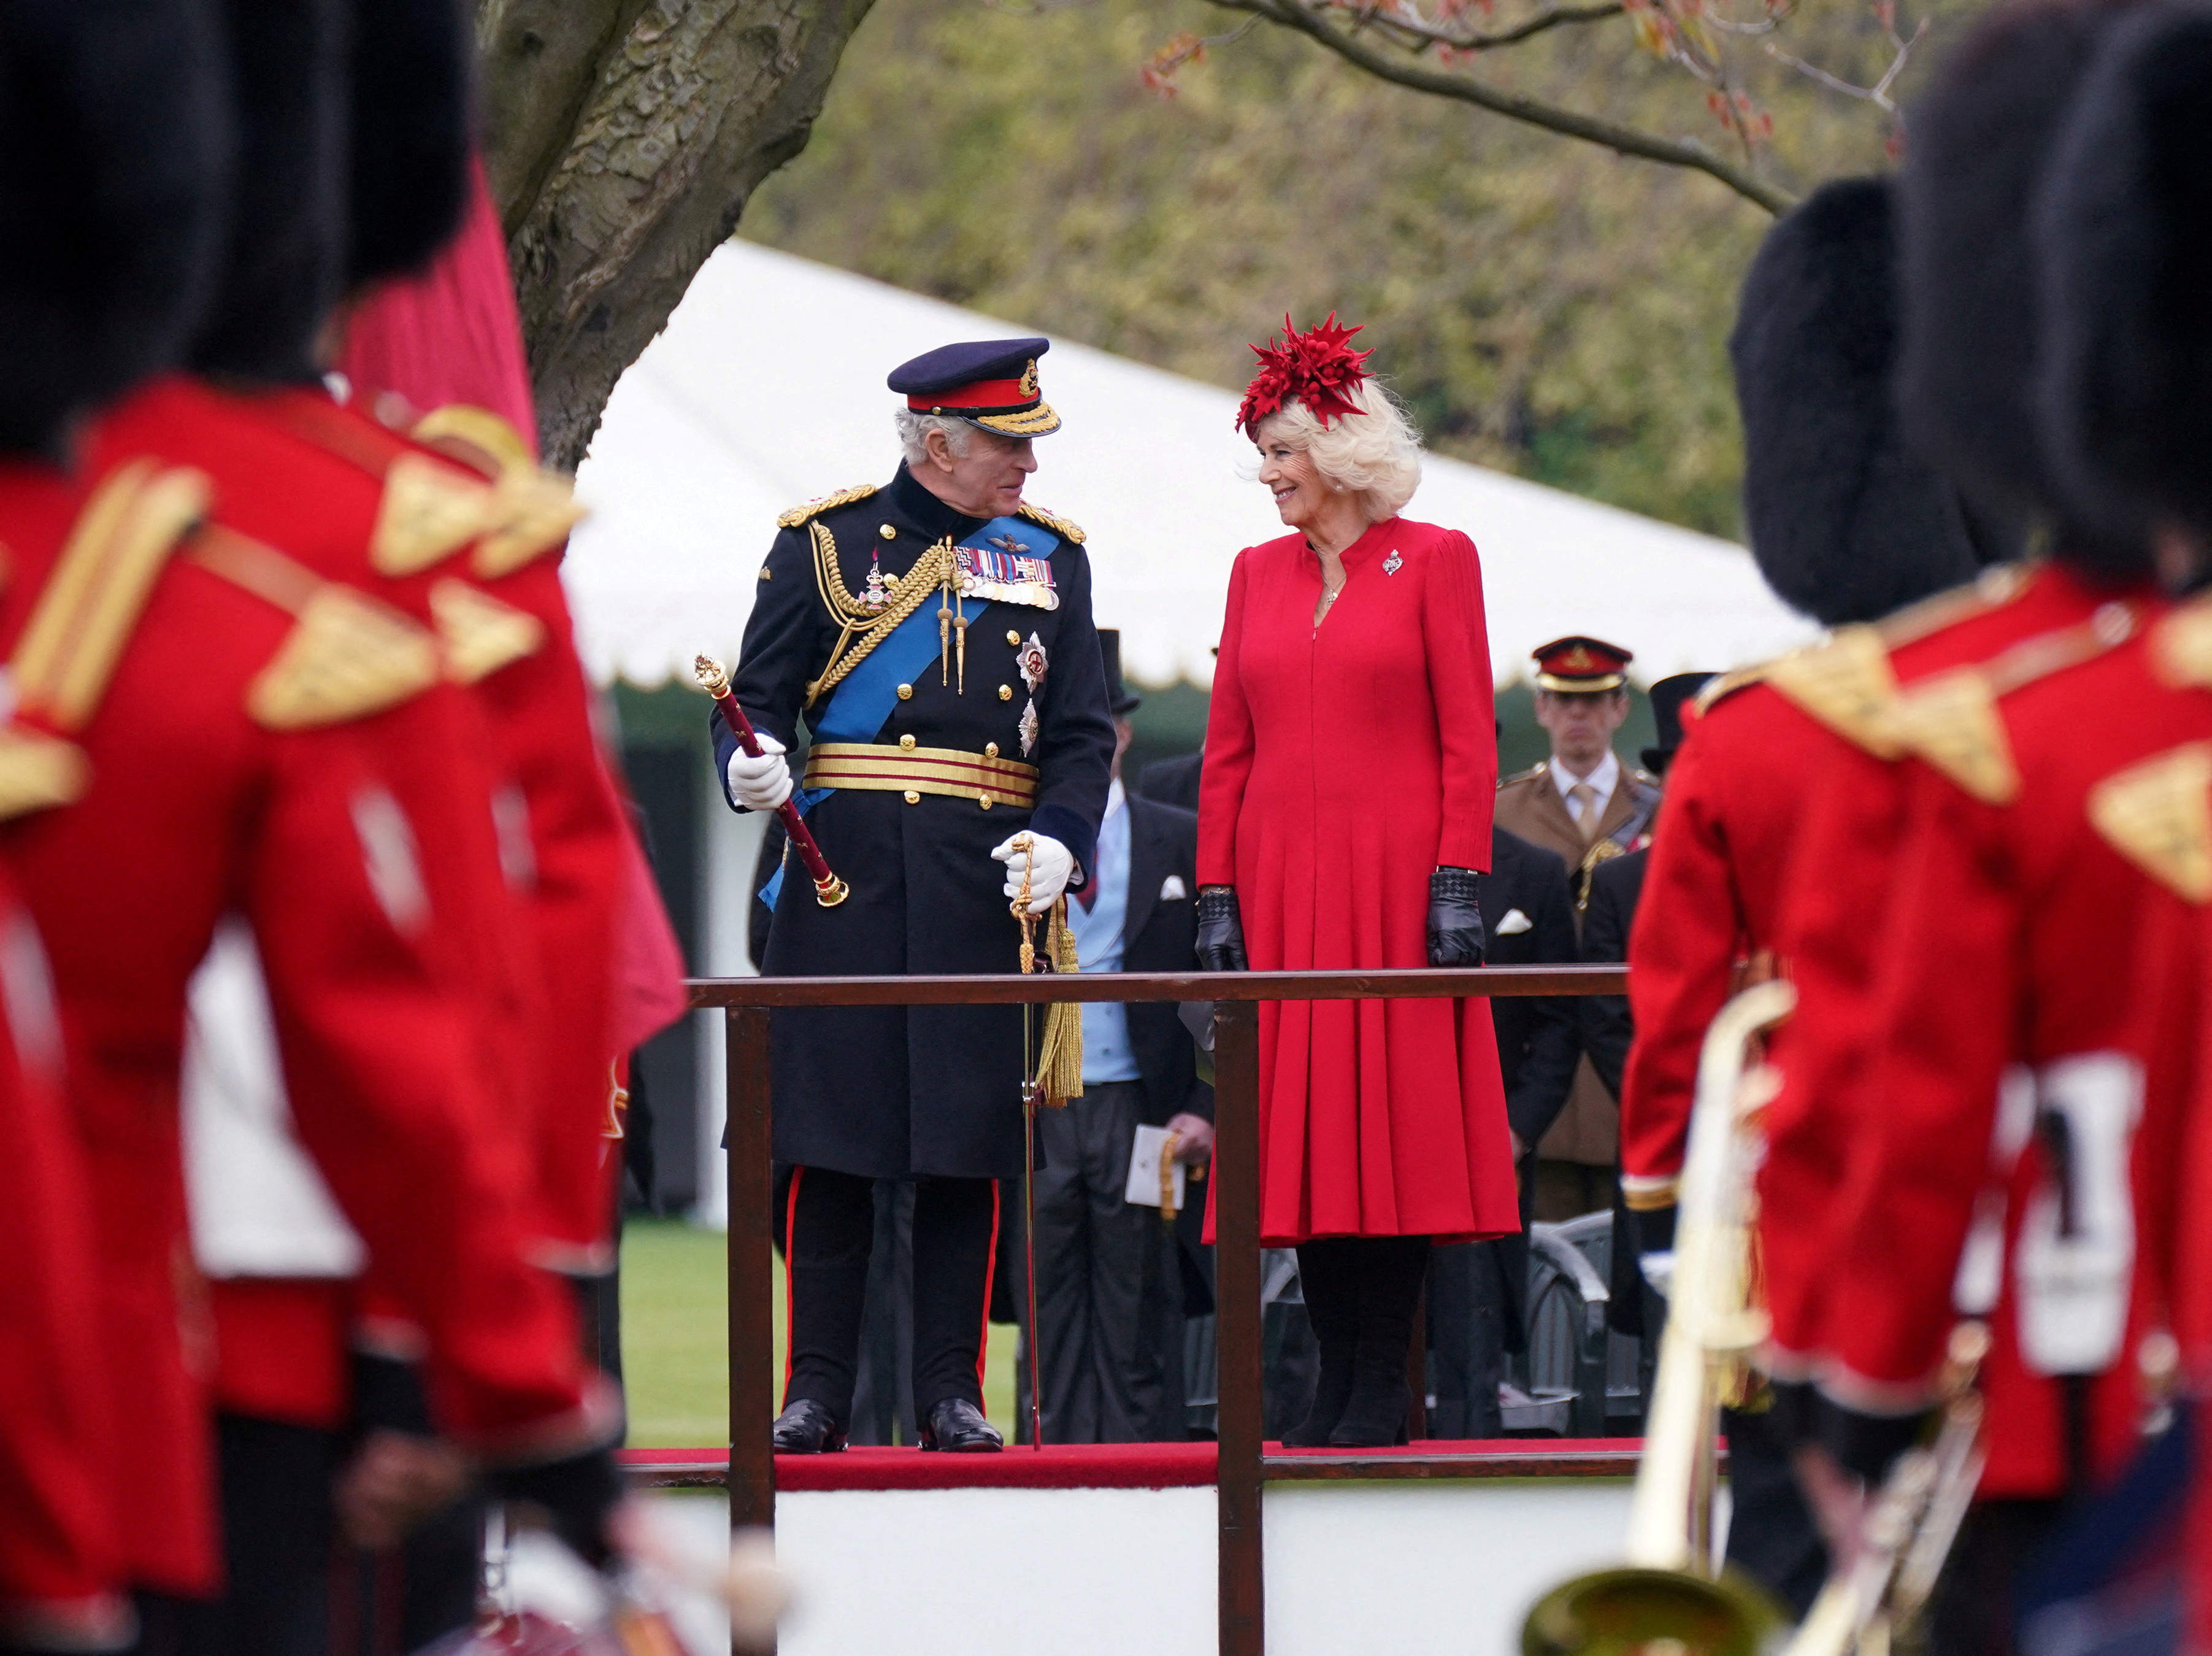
<point x="806" y="1428"/>
<point x="957" y="1425"/>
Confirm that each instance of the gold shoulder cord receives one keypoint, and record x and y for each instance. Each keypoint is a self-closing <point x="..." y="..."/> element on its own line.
<point x="856" y="621"/>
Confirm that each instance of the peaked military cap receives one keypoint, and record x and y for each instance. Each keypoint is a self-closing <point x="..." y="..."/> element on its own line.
<point x="992" y="383"/>
<point x="1580" y="666"/>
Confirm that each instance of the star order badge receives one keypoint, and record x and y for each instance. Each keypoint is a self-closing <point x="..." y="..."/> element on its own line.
<point x="1032" y="662"/>
<point x="1028" y="728"/>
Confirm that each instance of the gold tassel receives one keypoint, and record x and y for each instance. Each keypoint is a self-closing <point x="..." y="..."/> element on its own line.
<point x="1059" y="1053"/>
<point x="1167" y="1178"/>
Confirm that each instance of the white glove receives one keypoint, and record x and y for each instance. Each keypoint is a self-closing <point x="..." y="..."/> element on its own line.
<point x="1051" y="865"/>
<point x="763" y="783"/>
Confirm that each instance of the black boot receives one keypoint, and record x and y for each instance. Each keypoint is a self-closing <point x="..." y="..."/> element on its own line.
<point x="1388" y="1273"/>
<point x="1325" y="1280"/>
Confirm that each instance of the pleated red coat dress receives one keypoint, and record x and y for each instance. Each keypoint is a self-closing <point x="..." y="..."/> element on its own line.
<point x="1343" y="763"/>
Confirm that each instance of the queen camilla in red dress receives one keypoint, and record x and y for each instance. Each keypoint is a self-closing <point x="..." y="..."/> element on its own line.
<point x="1351" y="761"/>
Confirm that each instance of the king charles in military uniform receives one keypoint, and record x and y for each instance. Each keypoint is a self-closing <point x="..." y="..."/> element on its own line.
<point x="1584" y="803"/>
<point x="933" y="636"/>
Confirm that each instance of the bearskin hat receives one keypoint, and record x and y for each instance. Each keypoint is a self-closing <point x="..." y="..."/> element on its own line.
<point x="411" y="142"/>
<point x="284" y="264"/>
<point x="1847" y="522"/>
<point x="2124" y="237"/>
<point x="116" y="128"/>
<point x="1980" y="143"/>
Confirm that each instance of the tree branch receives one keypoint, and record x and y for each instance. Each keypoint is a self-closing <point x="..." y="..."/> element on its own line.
<point x="1624" y="140"/>
<point x="1429" y="34"/>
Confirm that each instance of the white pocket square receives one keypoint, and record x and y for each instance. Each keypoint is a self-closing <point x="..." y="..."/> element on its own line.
<point x="1172" y="889"/>
<point x="1515" y="922"/>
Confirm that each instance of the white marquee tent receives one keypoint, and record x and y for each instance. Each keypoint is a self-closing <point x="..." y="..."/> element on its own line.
<point x="767" y="389"/>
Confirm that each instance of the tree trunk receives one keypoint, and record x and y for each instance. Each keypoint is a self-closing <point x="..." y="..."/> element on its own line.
<point x="622" y="138"/>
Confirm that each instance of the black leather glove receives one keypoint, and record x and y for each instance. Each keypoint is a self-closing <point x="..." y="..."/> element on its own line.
<point x="576" y="1495"/>
<point x="1220" y="930"/>
<point x="1455" y="936"/>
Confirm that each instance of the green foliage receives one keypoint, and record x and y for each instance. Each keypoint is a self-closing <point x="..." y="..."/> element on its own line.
<point x="1546" y="306"/>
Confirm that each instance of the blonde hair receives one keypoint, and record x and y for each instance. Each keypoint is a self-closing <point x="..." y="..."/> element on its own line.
<point x="1375" y="453"/>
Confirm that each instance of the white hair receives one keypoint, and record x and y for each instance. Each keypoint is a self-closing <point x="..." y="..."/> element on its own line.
<point x="913" y="429"/>
<point x="1376" y="454"/>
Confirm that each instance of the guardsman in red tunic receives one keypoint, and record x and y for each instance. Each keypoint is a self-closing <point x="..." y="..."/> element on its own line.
<point x="2123" y="250"/>
<point x="125" y="96"/>
<point x="1848" y="525"/>
<point x="283" y="719"/>
<point x="2009" y="1127"/>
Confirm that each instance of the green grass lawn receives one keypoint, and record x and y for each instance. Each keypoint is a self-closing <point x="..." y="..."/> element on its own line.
<point x="676" y="1345"/>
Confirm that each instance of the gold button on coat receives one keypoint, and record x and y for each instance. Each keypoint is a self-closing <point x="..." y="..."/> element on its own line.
<point x="990" y="750"/>
<point x="912" y="798"/>
<point x="906" y="692"/>
<point x="1015" y="639"/>
<point x="906" y="742"/>
<point x="983" y="799"/>
<point x="1005" y="692"/>
<point x="888" y="533"/>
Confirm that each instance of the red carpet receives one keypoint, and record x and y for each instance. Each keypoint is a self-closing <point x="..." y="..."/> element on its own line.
<point x="1120" y="1466"/>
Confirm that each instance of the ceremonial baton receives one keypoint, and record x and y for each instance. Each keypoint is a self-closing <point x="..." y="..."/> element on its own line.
<point x="714" y="679"/>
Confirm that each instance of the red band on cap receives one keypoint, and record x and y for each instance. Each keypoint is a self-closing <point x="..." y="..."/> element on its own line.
<point x="976" y="393"/>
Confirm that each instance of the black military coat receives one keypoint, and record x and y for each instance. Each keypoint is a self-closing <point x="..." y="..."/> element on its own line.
<point x="889" y="1091"/>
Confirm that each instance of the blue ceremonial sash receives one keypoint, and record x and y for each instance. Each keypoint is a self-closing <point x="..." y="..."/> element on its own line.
<point x="865" y="696"/>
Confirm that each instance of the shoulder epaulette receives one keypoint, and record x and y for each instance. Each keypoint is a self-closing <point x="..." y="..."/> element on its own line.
<point x="348" y="655"/>
<point x="1996" y="586"/>
<point x="533" y="509"/>
<point x="429" y="511"/>
<point x="1529" y="775"/>
<point x="2158" y="815"/>
<point x="1846" y="683"/>
<point x="39" y="772"/>
<point x="481" y="634"/>
<point x="98" y="588"/>
<point x="1059" y="526"/>
<point x="1723" y="686"/>
<point x="2181" y="644"/>
<point x="1950" y="720"/>
<point x="799" y="514"/>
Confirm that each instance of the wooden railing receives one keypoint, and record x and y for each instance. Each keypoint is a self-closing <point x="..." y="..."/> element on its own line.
<point x="746" y="1004"/>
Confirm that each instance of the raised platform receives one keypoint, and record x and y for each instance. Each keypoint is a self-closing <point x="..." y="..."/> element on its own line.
<point x="1085" y="1551"/>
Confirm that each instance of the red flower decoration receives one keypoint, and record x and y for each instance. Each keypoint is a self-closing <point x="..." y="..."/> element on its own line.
<point x="1317" y="368"/>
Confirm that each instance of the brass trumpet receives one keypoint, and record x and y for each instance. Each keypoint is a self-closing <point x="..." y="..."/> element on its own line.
<point x="1909" y="1526"/>
<point x="1671" y="1594"/>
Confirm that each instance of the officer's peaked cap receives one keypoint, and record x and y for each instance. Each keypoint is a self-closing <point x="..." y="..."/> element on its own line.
<point x="1983" y="139"/>
<point x="992" y="383"/>
<point x="411" y="150"/>
<point x="2125" y="234"/>
<point x="1580" y="666"/>
<point x="1846" y="521"/>
<point x="117" y="133"/>
<point x="284" y="267"/>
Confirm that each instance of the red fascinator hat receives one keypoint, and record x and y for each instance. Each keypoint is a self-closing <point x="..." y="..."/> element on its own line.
<point x="1318" y="368"/>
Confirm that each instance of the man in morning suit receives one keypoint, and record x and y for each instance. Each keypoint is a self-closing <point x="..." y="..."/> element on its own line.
<point x="1109" y="1286"/>
<point x="1587" y="807"/>
<point x="1479" y="1291"/>
<point x="933" y="636"/>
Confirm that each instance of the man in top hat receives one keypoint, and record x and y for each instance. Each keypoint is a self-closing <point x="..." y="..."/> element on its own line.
<point x="1109" y="1293"/>
<point x="1585" y="805"/>
<point x="932" y="635"/>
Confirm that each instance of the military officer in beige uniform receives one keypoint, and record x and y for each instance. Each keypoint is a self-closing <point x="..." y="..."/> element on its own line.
<point x="1584" y="803"/>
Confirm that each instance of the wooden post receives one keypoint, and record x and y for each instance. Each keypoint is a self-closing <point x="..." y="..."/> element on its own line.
<point x="751" y="1290"/>
<point x="1237" y="1311"/>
